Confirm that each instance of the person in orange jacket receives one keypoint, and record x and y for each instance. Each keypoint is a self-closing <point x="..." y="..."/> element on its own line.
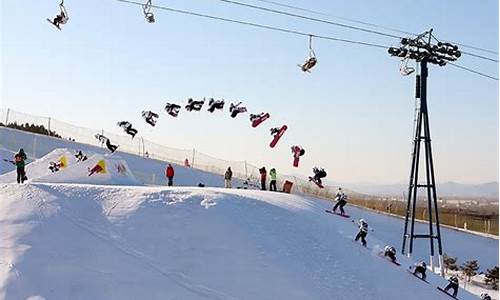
<point x="170" y="174"/>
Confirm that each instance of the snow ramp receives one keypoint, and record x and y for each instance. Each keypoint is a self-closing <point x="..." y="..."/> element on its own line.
<point x="71" y="241"/>
<point x="111" y="170"/>
<point x="40" y="167"/>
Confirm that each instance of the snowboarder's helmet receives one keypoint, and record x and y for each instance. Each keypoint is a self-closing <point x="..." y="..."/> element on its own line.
<point x="362" y="221"/>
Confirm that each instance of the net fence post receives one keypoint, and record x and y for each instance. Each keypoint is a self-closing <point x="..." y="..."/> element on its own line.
<point x="48" y="124"/>
<point x="192" y="160"/>
<point x="7" y="117"/>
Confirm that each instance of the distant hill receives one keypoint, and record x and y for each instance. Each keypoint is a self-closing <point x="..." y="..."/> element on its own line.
<point x="445" y="189"/>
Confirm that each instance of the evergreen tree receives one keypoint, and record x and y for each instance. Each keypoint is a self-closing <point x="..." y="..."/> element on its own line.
<point x="492" y="278"/>
<point x="469" y="269"/>
<point x="450" y="263"/>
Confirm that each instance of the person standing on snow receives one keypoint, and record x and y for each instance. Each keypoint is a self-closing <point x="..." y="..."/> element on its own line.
<point x="272" y="183"/>
<point x="19" y="160"/>
<point x="363" y="231"/>
<point x="170" y="175"/>
<point x="227" y="178"/>
<point x="263" y="174"/>
<point x="341" y="201"/>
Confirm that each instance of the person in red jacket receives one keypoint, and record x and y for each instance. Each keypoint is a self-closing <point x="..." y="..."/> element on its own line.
<point x="263" y="174"/>
<point x="170" y="174"/>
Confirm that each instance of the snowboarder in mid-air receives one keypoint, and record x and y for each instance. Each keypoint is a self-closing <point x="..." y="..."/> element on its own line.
<point x="105" y="140"/>
<point x="61" y="18"/>
<point x="420" y="268"/>
<point x="363" y="231"/>
<point x="215" y="104"/>
<point x="172" y="109"/>
<point x="318" y="174"/>
<point x="127" y="127"/>
<point x="236" y="109"/>
<point x="194" y="105"/>
<point x="390" y="252"/>
<point x="341" y="199"/>
<point x="297" y="152"/>
<point x="258" y="119"/>
<point x="452" y="284"/>
<point x="150" y="117"/>
<point x="80" y="156"/>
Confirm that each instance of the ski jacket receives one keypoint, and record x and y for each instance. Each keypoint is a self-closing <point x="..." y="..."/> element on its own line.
<point x="363" y="227"/>
<point x="19" y="160"/>
<point x="228" y="175"/>
<point x="453" y="279"/>
<point x="170" y="171"/>
<point x="272" y="174"/>
<point x="263" y="173"/>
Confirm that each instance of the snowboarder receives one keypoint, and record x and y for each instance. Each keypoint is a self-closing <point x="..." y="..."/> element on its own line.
<point x="235" y="109"/>
<point x="80" y="156"/>
<point x="172" y="109"/>
<point x="127" y="127"/>
<point x="194" y="105"/>
<point x="54" y="166"/>
<point x="150" y="117"/>
<point x="297" y="152"/>
<point x="318" y="174"/>
<point x="257" y="119"/>
<point x="19" y="160"/>
<point x="215" y="104"/>
<point x="420" y="268"/>
<point x="390" y="251"/>
<point x="227" y="178"/>
<point x="105" y="140"/>
<point x="452" y="284"/>
<point x="263" y="174"/>
<point x="277" y="133"/>
<point x="485" y="296"/>
<point x="61" y="18"/>
<point x="272" y="183"/>
<point x="170" y="175"/>
<point x="341" y="199"/>
<point x="363" y="231"/>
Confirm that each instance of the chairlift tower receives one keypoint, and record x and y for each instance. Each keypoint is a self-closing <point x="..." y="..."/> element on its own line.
<point x="424" y="53"/>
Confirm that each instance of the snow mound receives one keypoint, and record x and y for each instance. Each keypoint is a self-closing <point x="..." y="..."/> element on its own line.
<point x="40" y="167"/>
<point x="70" y="241"/>
<point x="114" y="171"/>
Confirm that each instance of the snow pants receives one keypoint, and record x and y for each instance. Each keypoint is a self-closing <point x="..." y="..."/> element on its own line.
<point x="272" y="185"/>
<point x="21" y="175"/>
<point x="227" y="183"/>
<point x="453" y="286"/>
<point x="170" y="181"/>
<point x="420" y="270"/>
<point x="362" y="235"/>
<point x="340" y="204"/>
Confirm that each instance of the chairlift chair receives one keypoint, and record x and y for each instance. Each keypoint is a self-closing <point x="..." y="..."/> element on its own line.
<point x="148" y="15"/>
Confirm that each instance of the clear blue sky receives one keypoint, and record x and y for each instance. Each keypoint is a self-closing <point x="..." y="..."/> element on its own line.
<point x="353" y="113"/>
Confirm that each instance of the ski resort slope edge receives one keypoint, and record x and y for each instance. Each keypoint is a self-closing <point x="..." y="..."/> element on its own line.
<point x="72" y="241"/>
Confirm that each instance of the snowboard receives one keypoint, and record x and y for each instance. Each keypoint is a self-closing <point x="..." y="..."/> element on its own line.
<point x="296" y="156"/>
<point x="278" y="136"/>
<point x="317" y="183"/>
<point x="336" y="213"/>
<point x="442" y="290"/>
<point x="48" y="20"/>
<point x="381" y="254"/>
<point x="260" y="119"/>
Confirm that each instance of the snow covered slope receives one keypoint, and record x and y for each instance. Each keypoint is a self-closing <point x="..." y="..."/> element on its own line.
<point x="68" y="241"/>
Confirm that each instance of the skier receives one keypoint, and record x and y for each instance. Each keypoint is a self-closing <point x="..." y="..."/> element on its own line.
<point x="215" y="104"/>
<point x="452" y="284"/>
<point x="172" y="109"/>
<point x="170" y="175"/>
<point x="318" y="174"/>
<point x="235" y="109"/>
<point x="150" y="117"/>
<point x="227" y="178"/>
<point x="272" y="183"/>
<point x="19" y="160"/>
<point x="80" y="156"/>
<point x="127" y="127"/>
<point x="341" y="199"/>
<point x="194" y="105"/>
<point x="390" y="251"/>
<point x="263" y="174"/>
<point x="363" y="231"/>
<point x="485" y="296"/>
<point x="420" y="268"/>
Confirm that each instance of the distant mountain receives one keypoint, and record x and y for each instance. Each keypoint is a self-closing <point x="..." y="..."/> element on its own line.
<point x="445" y="189"/>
